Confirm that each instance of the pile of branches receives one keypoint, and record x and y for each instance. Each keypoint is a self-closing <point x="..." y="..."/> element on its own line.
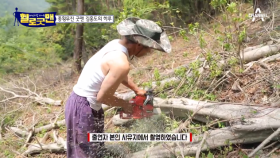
<point x="17" y="96"/>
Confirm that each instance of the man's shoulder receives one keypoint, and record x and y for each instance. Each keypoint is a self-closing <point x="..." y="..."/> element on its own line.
<point x="117" y="56"/>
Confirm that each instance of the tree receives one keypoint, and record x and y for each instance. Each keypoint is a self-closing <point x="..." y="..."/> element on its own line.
<point x="264" y="5"/>
<point x="79" y="39"/>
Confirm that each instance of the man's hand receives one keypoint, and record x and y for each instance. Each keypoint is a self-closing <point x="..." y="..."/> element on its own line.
<point x="140" y="92"/>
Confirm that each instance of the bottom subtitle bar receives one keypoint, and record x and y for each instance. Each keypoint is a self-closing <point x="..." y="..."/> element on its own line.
<point x="139" y="137"/>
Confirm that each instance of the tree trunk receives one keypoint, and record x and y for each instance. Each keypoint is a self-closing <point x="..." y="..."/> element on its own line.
<point x="84" y="54"/>
<point x="73" y="6"/>
<point x="79" y="40"/>
<point x="264" y="5"/>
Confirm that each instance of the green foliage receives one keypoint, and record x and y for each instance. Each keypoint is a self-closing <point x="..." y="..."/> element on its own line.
<point x="233" y="61"/>
<point x="218" y="3"/>
<point x="24" y="48"/>
<point x="221" y="124"/>
<point x="156" y="74"/>
<point x="197" y="94"/>
<point x="233" y="36"/>
<point x="147" y="84"/>
<point x="232" y="7"/>
<point x="171" y="38"/>
<point x="183" y="34"/>
<point x="181" y="71"/>
<point x="202" y="42"/>
<point x="193" y="28"/>
<point x="8" y="154"/>
<point x="194" y="130"/>
<point x="184" y="11"/>
<point x="242" y="35"/>
<point x="169" y="84"/>
<point x="243" y="154"/>
<point x="210" y="96"/>
<point x="209" y="155"/>
<point x="185" y="54"/>
<point x="186" y="89"/>
<point x="214" y="67"/>
<point x="194" y="67"/>
<point x="138" y="8"/>
<point x="276" y="86"/>
<point x="163" y="95"/>
<point x="9" y="120"/>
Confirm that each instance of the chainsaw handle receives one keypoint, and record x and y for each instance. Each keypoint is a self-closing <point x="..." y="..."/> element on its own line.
<point x="129" y="116"/>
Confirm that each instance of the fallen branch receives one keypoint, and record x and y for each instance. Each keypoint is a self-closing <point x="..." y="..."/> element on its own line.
<point x="201" y="145"/>
<point x="272" y="151"/>
<point x="48" y="127"/>
<point x="45" y="138"/>
<point x="28" y="138"/>
<point x="59" y="146"/>
<point x="49" y="101"/>
<point x="37" y="98"/>
<point x="267" y="140"/>
<point x="106" y="126"/>
<point x="36" y="148"/>
<point x="18" y="131"/>
<point x="271" y="58"/>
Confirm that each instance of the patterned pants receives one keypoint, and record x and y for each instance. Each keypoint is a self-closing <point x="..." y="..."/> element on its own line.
<point x="81" y="119"/>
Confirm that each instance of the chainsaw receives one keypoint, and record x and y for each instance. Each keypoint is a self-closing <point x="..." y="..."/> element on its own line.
<point x="142" y="106"/>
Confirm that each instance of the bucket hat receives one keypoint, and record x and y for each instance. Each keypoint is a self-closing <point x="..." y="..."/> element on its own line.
<point x="145" y="32"/>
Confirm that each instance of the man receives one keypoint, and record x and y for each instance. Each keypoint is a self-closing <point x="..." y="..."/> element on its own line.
<point x="100" y="78"/>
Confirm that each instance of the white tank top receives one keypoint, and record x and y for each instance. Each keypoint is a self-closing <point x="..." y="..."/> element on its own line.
<point x="91" y="78"/>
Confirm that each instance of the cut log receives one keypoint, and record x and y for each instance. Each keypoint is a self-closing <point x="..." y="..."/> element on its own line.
<point x="253" y="48"/>
<point x="258" y="53"/>
<point x="215" y="139"/>
<point x="244" y="121"/>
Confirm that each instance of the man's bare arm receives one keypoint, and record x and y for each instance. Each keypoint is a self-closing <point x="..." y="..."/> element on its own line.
<point x="118" y="70"/>
<point x="130" y="84"/>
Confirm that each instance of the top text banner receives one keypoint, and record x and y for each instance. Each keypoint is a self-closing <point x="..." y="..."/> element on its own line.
<point x="84" y="19"/>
